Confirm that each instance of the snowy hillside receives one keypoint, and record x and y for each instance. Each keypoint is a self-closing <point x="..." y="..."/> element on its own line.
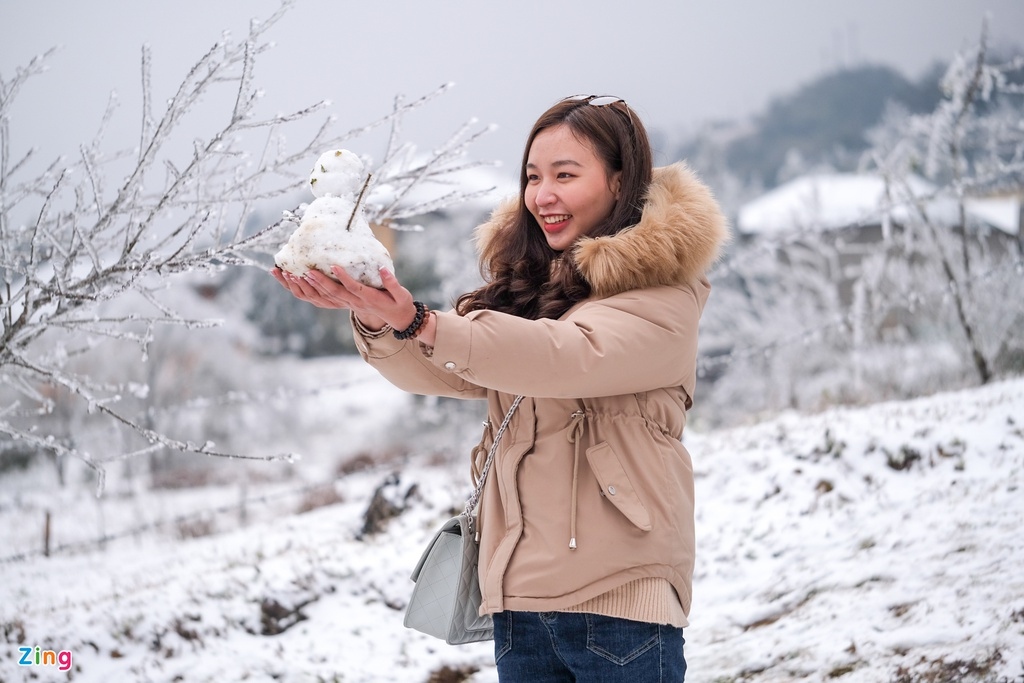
<point x="858" y="545"/>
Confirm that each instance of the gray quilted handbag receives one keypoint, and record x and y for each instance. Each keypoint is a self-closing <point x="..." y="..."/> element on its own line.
<point x="445" y="601"/>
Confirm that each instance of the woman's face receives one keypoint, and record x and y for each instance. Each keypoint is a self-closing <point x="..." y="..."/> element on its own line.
<point x="568" y="189"/>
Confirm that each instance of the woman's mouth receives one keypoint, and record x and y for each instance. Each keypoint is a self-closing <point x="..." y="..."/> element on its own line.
<point x="555" y="222"/>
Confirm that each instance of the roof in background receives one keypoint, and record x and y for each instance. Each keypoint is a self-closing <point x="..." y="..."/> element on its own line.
<point x="831" y="201"/>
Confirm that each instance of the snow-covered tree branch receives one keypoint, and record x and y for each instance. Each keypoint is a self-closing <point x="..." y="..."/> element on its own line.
<point x="90" y="243"/>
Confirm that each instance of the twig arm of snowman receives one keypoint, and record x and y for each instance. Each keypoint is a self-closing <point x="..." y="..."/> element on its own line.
<point x="359" y="202"/>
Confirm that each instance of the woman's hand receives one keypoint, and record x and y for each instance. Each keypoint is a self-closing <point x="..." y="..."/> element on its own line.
<point x="374" y="307"/>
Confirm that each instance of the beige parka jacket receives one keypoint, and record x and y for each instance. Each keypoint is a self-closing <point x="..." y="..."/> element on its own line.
<point x="593" y="457"/>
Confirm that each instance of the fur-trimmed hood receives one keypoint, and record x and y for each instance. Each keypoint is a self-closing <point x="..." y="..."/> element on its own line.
<point x="678" y="238"/>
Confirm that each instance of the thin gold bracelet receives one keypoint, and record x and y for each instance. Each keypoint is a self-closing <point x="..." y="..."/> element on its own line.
<point x="370" y="334"/>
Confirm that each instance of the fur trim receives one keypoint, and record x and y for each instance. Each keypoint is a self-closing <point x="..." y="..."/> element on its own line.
<point x="679" y="236"/>
<point x="501" y="218"/>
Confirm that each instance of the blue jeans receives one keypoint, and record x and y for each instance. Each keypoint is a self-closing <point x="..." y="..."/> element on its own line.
<point x="557" y="647"/>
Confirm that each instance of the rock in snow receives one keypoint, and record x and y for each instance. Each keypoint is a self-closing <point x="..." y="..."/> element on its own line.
<point x="333" y="230"/>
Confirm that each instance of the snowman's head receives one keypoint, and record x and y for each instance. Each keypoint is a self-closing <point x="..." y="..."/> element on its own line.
<point x="337" y="173"/>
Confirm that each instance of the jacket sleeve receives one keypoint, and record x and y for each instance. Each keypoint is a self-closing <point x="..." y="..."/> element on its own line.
<point x="631" y="342"/>
<point x="408" y="366"/>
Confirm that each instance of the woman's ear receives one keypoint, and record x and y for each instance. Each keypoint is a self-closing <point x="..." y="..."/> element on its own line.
<point x="615" y="183"/>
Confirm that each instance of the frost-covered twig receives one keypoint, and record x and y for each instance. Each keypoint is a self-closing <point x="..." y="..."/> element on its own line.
<point x="438" y="166"/>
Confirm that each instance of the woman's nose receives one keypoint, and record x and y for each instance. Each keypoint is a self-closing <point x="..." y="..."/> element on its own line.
<point x="544" y="195"/>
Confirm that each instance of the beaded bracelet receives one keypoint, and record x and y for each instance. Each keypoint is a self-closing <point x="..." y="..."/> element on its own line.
<point x="417" y="323"/>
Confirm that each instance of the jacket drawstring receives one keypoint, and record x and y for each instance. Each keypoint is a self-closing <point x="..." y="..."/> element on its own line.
<point x="479" y="454"/>
<point x="575" y="435"/>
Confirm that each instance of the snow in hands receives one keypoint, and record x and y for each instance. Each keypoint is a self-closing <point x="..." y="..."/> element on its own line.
<point x="334" y="229"/>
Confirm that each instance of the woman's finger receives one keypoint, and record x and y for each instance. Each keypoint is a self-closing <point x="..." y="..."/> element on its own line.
<point x="327" y="286"/>
<point x="291" y="283"/>
<point x="282" y="277"/>
<point x="319" y="282"/>
<point x="352" y="285"/>
<point x="315" y="288"/>
<point x="393" y="286"/>
<point x="304" y="288"/>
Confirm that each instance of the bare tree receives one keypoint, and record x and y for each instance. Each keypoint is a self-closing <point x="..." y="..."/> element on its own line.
<point x="76" y="238"/>
<point x="972" y="143"/>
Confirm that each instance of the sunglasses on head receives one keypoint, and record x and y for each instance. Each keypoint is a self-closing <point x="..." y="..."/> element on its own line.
<point x="595" y="100"/>
<point x="606" y="101"/>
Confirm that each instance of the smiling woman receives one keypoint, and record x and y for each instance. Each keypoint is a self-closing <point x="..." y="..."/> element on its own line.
<point x="569" y="191"/>
<point x="595" y="286"/>
<point x="586" y="170"/>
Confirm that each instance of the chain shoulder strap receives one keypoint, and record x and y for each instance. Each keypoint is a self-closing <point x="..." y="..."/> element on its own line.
<point x="475" y="498"/>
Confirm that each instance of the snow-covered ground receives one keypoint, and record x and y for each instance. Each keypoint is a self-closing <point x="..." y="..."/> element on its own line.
<point x="861" y="545"/>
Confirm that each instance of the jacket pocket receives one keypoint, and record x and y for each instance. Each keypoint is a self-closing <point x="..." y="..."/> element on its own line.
<point x="615" y="485"/>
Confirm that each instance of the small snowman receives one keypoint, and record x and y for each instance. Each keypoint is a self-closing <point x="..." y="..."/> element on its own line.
<point x="333" y="230"/>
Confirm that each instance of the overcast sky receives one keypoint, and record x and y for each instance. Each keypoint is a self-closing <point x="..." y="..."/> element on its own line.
<point x="678" y="62"/>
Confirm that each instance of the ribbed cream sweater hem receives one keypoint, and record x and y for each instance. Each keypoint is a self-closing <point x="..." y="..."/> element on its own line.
<point x="650" y="599"/>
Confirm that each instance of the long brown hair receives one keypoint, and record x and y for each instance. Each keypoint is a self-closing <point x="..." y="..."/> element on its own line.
<point x="523" y="275"/>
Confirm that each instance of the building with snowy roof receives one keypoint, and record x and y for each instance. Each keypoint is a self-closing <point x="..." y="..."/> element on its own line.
<point x="840" y="201"/>
<point x="843" y="217"/>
